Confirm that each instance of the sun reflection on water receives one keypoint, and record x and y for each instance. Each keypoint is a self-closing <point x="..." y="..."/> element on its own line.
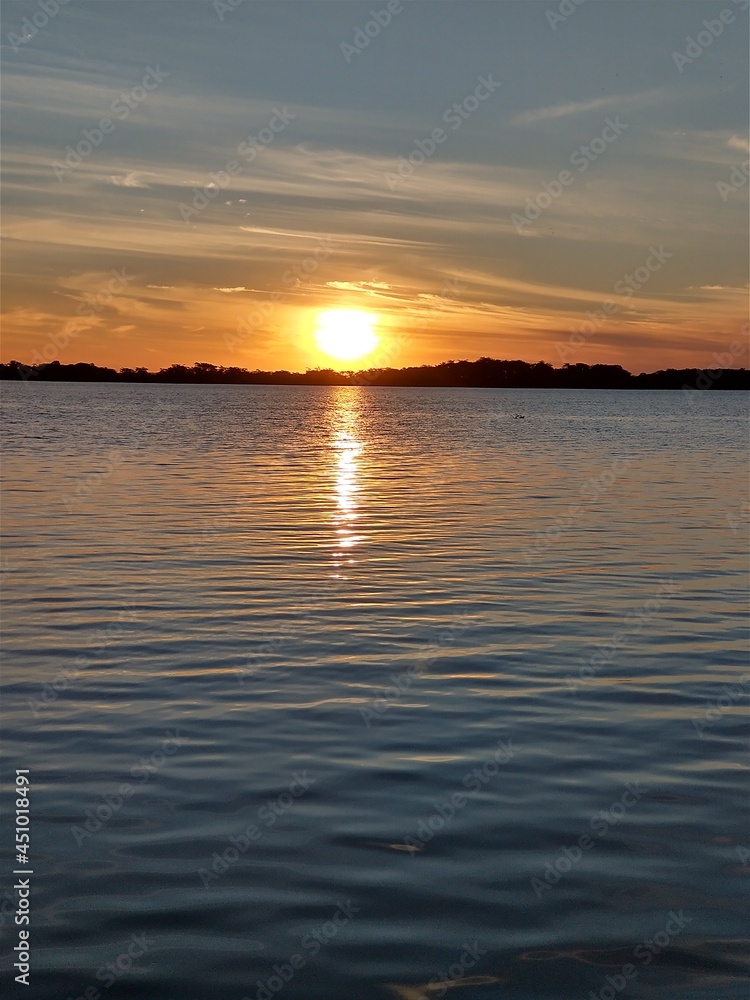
<point x="348" y="448"/>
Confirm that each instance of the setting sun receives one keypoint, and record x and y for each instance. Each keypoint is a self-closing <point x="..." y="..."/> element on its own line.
<point x="346" y="334"/>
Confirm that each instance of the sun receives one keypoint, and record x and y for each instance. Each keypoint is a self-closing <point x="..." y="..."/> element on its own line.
<point x="346" y="334"/>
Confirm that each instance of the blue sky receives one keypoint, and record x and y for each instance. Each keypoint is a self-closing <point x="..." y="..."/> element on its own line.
<point x="466" y="253"/>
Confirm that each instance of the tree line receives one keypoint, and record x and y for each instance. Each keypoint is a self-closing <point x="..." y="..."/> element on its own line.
<point x="484" y="373"/>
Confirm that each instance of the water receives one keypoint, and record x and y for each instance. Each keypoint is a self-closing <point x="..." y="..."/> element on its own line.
<point x="344" y="680"/>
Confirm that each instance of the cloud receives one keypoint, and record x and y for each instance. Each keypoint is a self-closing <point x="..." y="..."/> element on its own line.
<point x="620" y="102"/>
<point x="133" y="180"/>
<point x="368" y="287"/>
<point x="325" y="179"/>
<point x="738" y="142"/>
<point x="714" y="288"/>
<point x="712" y="147"/>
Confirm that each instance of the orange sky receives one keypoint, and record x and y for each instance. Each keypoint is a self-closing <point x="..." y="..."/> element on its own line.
<point x="210" y="188"/>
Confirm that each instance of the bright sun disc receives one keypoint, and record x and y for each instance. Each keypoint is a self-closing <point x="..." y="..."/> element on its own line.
<point x="346" y="334"/>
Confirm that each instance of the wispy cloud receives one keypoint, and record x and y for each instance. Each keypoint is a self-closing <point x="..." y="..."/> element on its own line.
<point x="134" y="179"/>
<point x="368" y="287"/>
<point x="325" y="179"/>
<point x="619" y="102"/>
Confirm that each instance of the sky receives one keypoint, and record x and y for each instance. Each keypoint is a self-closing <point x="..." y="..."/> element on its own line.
<point x="200" y="180"/>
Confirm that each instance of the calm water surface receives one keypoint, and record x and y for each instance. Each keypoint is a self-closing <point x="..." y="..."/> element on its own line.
<point x="347" y="693"/>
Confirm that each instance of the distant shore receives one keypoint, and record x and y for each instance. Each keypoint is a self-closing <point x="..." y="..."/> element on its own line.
<point x="488" y="373"/>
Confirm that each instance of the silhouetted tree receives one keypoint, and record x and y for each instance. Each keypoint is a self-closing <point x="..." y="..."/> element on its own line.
<point x="485" y="372"/>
